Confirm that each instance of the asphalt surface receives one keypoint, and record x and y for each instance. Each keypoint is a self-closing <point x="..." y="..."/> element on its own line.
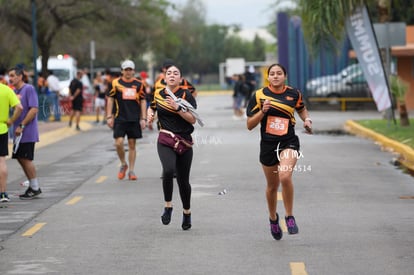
<point x="353" y="207"/>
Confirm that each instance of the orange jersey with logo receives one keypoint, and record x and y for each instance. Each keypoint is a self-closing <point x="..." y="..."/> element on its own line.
<point x="127" y="98"/>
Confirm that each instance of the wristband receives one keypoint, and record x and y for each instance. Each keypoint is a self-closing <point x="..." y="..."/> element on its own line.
<point x="179" y="108"/>
<point x="144" y="119"/>
<point x="308" y="118"/>
<point x="108" y="117"/>
<point x="21" y="126"/>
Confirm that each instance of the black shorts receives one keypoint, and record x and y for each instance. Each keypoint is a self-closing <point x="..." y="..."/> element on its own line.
<point x="270" y="150"/>
<point x="4" y="145"/>
<point x="77" y="105"/>
<point x="25" y="151"/>
<point x="131" y="129"/>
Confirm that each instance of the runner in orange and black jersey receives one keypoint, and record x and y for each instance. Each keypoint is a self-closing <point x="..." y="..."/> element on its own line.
<point x="174" y="120"/>
<point x="126" y="109"/>
<point x="282" y="110"/>
<point x="273" y="107"/>
<point x="168" y="117"/>
<point x="160" y="84"/>
<point x="127" y="95"/>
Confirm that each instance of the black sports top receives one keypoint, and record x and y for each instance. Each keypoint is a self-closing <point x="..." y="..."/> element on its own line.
<point x="169" y="119"/>
<point x="279" y="122"/>
<point x="127" y="97"/>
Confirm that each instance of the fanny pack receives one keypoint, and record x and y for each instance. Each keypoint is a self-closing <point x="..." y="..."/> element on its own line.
<point x="176" y="142"/>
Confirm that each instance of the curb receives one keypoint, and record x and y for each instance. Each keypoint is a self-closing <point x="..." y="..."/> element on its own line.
<point x="406" y="152"/>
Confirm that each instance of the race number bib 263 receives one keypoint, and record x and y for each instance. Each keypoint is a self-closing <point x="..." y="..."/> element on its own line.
<point x="277" y="126"/>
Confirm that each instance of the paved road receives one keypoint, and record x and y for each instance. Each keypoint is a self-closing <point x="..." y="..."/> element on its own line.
<point x="347" y="204"/>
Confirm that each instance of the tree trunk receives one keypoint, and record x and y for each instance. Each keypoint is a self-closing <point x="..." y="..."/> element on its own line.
<point x="404" y="121"/>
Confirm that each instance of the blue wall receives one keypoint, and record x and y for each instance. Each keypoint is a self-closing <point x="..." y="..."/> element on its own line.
<point x="292" y="54"/>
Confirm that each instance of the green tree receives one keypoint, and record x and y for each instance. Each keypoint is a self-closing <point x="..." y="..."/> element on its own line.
<point x="212" y="46"/>
<point x="189" y="26"/>
<point x="323" y="23"/>
<point x="258" y="50"/>
<point x="52" y="16"/>
<point x="69" y="25"/>
<point x="199" y="47"/>
<point x="329" y="19"/>
<point x="149" y="29"/>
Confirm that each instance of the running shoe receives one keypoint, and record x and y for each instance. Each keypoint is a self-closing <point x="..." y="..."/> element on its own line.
<point x="122" y="171"/>
<point x="30" y="194"/>
<point x="275" y="229"/>
<point x="291" y="225"/>
<point x="4" y="197"/>
<point x="166" y="216"/>
<point x="186" y="221"/>
<point x="132" y="176"/>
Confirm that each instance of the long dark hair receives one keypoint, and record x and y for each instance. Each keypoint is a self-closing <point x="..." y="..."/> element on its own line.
<point x="276" y="64"/>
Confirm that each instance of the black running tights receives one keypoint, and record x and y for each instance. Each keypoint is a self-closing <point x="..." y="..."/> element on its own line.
<point x="180" y="164"/>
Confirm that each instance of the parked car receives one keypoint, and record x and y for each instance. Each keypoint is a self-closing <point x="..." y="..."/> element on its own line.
<point x="354" y="85"/>
<point x="315" y="83"/>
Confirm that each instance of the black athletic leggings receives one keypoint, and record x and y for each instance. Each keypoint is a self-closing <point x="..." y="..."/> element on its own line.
<point x="181" y="164"/>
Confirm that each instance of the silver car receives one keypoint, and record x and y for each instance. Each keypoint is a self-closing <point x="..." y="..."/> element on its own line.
<point x="354" y="85"/>
<point x="313" y="84"/>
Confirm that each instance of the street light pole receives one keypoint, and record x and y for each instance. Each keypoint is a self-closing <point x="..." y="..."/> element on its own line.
<point x="42" y="105"/>
<point x="34" y="44"/>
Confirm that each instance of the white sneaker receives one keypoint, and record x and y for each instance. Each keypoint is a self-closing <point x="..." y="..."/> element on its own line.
<point x="4" y="197"/>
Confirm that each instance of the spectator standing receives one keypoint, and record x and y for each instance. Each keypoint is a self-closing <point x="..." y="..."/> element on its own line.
<point x="250" y="79"/>
<point x="240" y="91"/>
<point x="8" y="99"/>
<point x="126" y="109"/>
<point x="99" y="87"/>
<point x="53" y="94"/>
<point x="76" y="89"/>
<point x="26" y="131"/>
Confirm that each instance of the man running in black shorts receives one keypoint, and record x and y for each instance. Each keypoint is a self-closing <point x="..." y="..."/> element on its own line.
<point x="126" y="111"/>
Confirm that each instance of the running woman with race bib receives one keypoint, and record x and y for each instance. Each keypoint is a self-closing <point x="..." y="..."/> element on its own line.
<point x="273" y="107"/>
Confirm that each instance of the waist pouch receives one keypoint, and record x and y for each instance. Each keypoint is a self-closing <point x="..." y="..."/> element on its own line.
<point x="176" y="142"/>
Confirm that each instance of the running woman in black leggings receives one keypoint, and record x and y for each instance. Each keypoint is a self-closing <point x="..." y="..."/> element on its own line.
<point x="174" y="119"/>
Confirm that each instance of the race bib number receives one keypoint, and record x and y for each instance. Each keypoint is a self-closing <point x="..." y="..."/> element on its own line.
<point x="129" y="93"/>
<point x="277" y="126"/>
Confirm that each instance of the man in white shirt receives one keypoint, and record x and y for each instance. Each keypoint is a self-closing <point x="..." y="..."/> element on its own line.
<point x="53" y="95"/>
